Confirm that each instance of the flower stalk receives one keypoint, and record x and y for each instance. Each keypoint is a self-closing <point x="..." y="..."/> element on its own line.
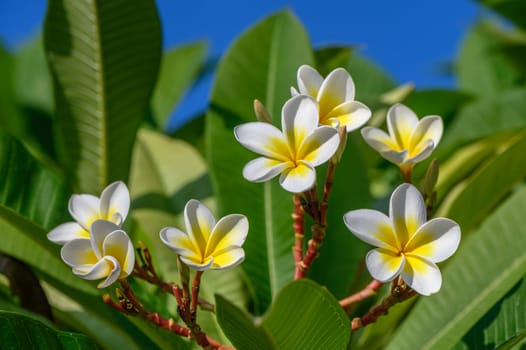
<point x="363" y="294"/>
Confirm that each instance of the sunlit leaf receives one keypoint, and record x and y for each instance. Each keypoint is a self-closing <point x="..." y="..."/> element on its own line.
<point x="104" y="58"/>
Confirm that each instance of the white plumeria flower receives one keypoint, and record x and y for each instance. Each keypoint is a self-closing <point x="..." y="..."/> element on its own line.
<point x="292" y="153"/>
<point x="335" y="97"/>
<point x="113" y="206"/>
<point x="108" y="253"/>
<point x="409" y="140"/>
<point x="207" y="244"/>
<point x="408" y="245"/>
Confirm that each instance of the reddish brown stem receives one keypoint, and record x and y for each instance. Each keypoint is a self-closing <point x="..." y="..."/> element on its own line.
<point x="299" y="233"/>
<point x="365" y="293"/>
<point x="195" y="291"/>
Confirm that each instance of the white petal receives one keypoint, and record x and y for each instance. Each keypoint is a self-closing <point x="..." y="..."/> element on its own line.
<point x="383" y="144"/>
<point x="263" y="169"/>
<point x="407" y="211"/>
<point x="373" y="227"/>
<point x="199" y="222"/>
<point x="231" y="230"/>
<point x="436" y="240"/>
<point x="293" y="91"/>
<point x="319" y="146"/>
<point x="179" y="242"/>
<point x="428" y="128"/>
<point x="421" y="275"/>
<point x="309" y="81"/>
<point x="264" y="139"/>
<point x="118" y="245"/>
<point x="229" y="258"/>
<point x="66" y="232"/>
<point x="401" y="121"/>
<point x="84" y="208"/>
<point x="336" y="89"/>
<point x="114" y="274"/>
<point x="383" y="265"/>
<point x="197" y="264"/>
<point x="78" y="252"/>
<point x="100" y="229"/>
<point x="101" y="269"/>
<point x="425" y="148"/>
<point x="299" y="118"/>
<point x="115" y="199"/>
<point x="350" y="114"/>
<point x="298" y="179"/>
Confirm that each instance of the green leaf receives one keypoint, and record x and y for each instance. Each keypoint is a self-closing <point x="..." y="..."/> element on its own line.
<point x="471" y="200"/>
<point x="19" y="331"/>
<point x="486" y="266"/>
<point x="104" y="57"/>
<point x="331" y="57"/>
<point x="482" y="68"/>
<point x="179" y="69"/>
<point x="241" y="328"/>
<point x="504" y="325"/>
<point x="511" y="9"/>
<point x="262" y="64"/>
<point x="487" y="116"/>
<point x="304" y="316"/>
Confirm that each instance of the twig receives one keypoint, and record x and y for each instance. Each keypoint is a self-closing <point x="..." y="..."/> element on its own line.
<point x="365" y="293"/>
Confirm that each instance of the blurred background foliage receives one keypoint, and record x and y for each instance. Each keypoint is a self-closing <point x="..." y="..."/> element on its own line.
<point x="88" y="102"/>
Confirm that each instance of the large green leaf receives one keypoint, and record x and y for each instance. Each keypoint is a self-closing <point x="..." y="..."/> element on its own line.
<point x="19" y="331"/>
<point x="179" y="69"/>
<point x="486" y="266"/>
<point x="262" y="64"/>
<point x="304" y="316"/>
<point x="510" y="9"/>
<point x="482" y="68"/>
<point x="471" y="200"/>
<point x="503" y="326"/>
<point x="104" y="58"/>
<point x="487" y="116"/>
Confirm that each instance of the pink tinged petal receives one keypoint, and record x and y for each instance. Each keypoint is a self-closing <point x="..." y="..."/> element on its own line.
<point x="199" y="222"/>
<point x="407" y="211"/>
<point x="78" y="252"/>
<point x="231" y="230"/>
<point x="336" y="89"/>
<point x="118" y="245"/>
<point x="264" y="139"/>
<point x="84" y="208"/>
<point x="100" y="229"/>
<point x="66" y="232"/>
<point x="115" y="272"/>
<point x="383" y="264"/>
<point x="115" y="202"/>
<point x="351" y="114"/>
<point x="436" y="240"/>
<point x="373" y="227"/>
<point x="421" y="275"/>
<point x="228" y="258"/>
<point x="428" y="128"/>
<point x="401" y="121"/>
<point x="299" y="118"/>
<point x="309" y="81"/>
<point x="298" y="179"/>
<point x="180" y="243"/>
<point x="199" y="265"/>
<point x="319" y="146"/>
<point x="263" y="169"/>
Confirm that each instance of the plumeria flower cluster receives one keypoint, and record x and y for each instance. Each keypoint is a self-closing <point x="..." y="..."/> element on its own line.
<point x="94" y="245"/>
<point x="407" y="244"/>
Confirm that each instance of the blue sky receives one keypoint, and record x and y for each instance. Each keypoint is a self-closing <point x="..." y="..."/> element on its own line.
<point x="410" y="39"/>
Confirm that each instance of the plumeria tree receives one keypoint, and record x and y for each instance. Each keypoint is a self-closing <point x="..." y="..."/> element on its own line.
<point x="315" y="204"/>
